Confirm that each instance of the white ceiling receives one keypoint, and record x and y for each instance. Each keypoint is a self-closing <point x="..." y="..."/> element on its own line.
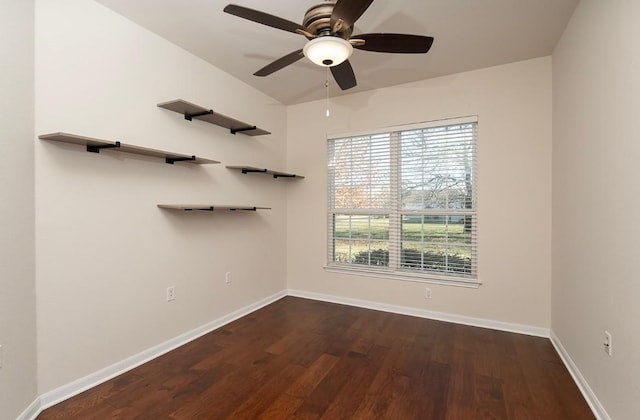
<point x="469" y="34"/>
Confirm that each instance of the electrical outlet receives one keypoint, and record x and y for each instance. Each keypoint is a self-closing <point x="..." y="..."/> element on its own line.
<point x="608" y="343"/>
<point x="171" y="293"/>
<point x="227" y="277"/>
<point x="427" y="293"/>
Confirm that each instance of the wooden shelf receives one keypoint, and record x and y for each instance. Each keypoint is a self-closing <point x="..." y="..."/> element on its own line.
<point x="191" y="111"/>
<point x="209" y="207"/>
<point x="96" y="145"/>
<point x="253" y="169"/>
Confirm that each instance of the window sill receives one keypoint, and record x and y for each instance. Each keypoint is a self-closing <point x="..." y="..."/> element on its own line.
<point x="403" y="276"/>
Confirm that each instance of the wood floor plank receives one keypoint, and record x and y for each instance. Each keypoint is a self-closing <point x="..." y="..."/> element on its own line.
<point x="377" y="399"/>
<point x="331" y="386"/>
<point x="283" y="407"/>
<point x="489" y="398"/>
<point x="260" y="400"/>
<point x="460" y="395"/>
<point x="354" y="390"/>
<point x="303" y="359"/>
<point x="304" y="385"/>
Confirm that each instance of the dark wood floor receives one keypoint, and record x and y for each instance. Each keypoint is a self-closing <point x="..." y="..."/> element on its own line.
<point x="298" y="358"/>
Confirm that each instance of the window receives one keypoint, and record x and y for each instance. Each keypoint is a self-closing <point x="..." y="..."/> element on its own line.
<point x="402" y="203"/>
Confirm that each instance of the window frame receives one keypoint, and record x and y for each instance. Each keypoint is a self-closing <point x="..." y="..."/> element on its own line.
<point x="396" y="212"/>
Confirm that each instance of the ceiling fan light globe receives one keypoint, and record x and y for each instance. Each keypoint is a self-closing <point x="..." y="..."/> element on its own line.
<point x="327" y="51"/>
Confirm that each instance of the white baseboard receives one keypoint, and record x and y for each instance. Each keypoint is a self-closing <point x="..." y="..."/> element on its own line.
<point x="32" y="411"/>
<point x="583" y="386"/>
<point x="64" y="392"/>
<point x="423" y="313"/>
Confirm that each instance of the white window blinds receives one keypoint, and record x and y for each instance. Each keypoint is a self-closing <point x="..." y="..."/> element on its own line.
<point x="404" y="201"/>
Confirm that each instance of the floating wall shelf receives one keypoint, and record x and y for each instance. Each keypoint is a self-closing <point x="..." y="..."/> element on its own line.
<point x="96" y="145"/>
<point x="191" y="111"/>
<point x="253" y="169"/>
<point x="209" y="207"/>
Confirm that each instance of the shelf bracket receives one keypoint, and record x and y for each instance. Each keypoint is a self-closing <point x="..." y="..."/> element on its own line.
<point x="239" y="130"/>
<point x="249" y="171"/>
<point x="284" y="176"/>
<point x="172" y="160"/>
<point x="244" y="209"/>
<point x="190" y="117"/>
<point x="96" y="149"/>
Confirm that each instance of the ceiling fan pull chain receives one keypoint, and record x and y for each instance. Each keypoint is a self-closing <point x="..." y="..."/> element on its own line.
<point x="326" y="86"/>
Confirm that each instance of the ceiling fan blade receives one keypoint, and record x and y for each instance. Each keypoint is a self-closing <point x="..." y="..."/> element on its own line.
<point x="395" y="43"/>
<point x="279" y="63"/>
<point x="348" y="11"/>
<point x="343" y="73"/>
<point x="263" y="18"/>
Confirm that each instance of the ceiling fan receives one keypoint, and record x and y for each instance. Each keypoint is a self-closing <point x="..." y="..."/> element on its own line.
<point x="328" y="27"/>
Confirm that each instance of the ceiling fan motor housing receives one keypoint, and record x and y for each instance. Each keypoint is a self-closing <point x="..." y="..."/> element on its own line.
<point x="317" y="20"/>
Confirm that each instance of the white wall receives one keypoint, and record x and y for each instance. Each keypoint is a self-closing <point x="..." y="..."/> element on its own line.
<point x="105" y="252"/>
<point x="596" y="145"/>
<point x="17" y="246"/>
<point x="513" y="105"/>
